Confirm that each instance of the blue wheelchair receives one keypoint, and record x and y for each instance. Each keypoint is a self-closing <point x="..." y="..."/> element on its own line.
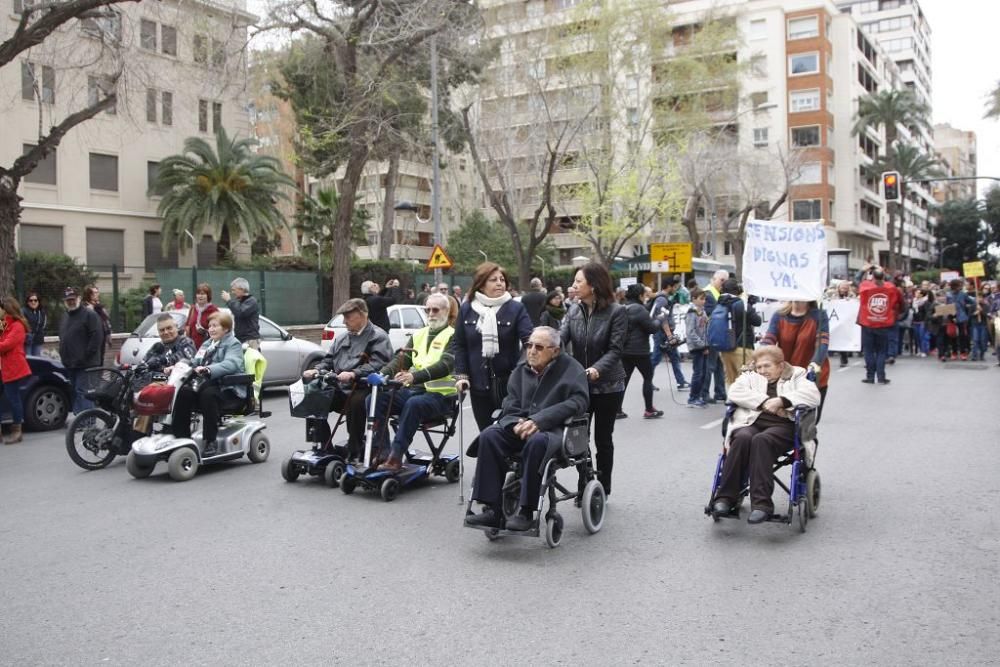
<point x="803" y="488"/>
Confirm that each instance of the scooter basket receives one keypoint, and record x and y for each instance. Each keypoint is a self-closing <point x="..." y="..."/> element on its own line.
<point x="102" y="384"/>
<point x="310" y="400"/>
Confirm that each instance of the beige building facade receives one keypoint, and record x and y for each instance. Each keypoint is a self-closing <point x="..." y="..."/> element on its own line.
<point x="958" y="151"/>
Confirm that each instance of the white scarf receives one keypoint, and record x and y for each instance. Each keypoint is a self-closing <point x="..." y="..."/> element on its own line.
<point x="487" y="309"/>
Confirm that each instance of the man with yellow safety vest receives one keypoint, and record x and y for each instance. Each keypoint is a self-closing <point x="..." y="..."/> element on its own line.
<point x="425" y="369"/>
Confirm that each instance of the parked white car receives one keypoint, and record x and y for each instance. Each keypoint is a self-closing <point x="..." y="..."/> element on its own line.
<point x="404" y="321"/>
<point x="287" y="356"/>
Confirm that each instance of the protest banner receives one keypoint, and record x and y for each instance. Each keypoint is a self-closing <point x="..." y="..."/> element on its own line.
<point x="785" y="260"/>
<point x="845" y="334"/>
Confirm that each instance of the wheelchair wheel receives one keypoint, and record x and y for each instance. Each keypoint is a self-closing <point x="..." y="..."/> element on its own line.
<point x="802" y="509"/>
<point x="812" y="492"/>
<point x="347" y="485"/>
<point x="260" y="448"/>
<point x="492" y="534"/>
<point x="511" y="500"/>
<point x="390" y="489"/>
<point x="451" y="471"/>
<point x="334" y="471"/>
<point x="288" y="471"/>
<point x="554" y="530"/>
<point x="593" y="506"/>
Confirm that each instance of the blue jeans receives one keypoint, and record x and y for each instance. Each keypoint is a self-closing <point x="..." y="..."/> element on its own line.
<point x="12" y="392"/>
<point x="875" y="343"/>
<point x="894" y="338"/>
<point x="413" y="409"/>
<point x="922" y="337"/>
<point x="699" y="363"/>
<point x="671" y="353"/>
<point x="80" y="403"/>
<point x="33" y="349"/>
<point x="715" y="371"/>
<point x="980" y="340"/>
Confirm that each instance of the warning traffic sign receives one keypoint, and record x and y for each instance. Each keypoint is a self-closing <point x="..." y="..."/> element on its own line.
<point x="439" y="259"/>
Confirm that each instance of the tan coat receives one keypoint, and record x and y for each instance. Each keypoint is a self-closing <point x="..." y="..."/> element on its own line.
<point x="750" y="390"/>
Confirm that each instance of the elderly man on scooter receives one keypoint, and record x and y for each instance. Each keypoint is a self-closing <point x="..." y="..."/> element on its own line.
<point x="364" y="350"/>
<point x="428" y="392"/>
<point x="543" y="392"/>
<point x="173" y="346"/>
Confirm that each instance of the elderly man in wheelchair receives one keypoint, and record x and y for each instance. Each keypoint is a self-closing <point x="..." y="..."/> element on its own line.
<point x="544" y="391"/>
<point x="763" y="429"/>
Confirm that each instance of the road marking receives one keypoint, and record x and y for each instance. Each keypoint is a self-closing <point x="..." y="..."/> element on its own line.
<point x="854" y="365"/>
<point x="712" y="424"/>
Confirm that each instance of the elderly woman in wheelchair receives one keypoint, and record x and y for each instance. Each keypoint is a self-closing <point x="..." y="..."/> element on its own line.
<point x="767" y="405"/>
<point x="544" y="392"/>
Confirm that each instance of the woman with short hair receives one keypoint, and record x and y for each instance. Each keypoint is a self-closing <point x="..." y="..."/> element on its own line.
<point x="489" y="333"/>
<point x="199" y="315"/>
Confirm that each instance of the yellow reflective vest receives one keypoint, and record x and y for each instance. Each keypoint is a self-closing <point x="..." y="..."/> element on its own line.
<point x="426" y="355"/>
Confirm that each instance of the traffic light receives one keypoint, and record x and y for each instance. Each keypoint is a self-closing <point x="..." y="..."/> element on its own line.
<point x="890" y="186"/>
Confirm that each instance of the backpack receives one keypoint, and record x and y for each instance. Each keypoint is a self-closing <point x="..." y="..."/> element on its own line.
<point x="721" y="335"/>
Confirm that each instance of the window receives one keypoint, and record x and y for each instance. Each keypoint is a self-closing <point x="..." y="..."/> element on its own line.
<point x="758" y="29"/>
<point x="804" y="100"/>
<point x="758" y="65"/>
<point x="807" y="26"/>
<point x="269" y="331"/>
<point x="760" y="137"/>
<point x="152" y="97"/>
<point x="199" y="50"/>
<point x="45" y="172"/>
<point x="216" y="116"/>
<point x="29" y="81"/>
<point x="99" y="87"/>
<point x="633" y="117"/>
<point x="803" y="137"/>
<point x="40" y="238"/>
<point x="167" y="111"/>
<point x="168" y="40"/>
<point x="758" y="99"/>
<point x="105" y="248"/>
<point x="103" y="172"/>
<point x="218" y="54"/>
<point x="147" y="35"/>
<point x="807" y="209"/>
<point x="153" y="246"/>
<point x="203" y="115"/>
<point x="394" y="320"/>
<point x="412" y="319"/>
<point x="108" y="26"/>
<point x="151" y="170"/>
<point x="536" y="70"/>
<point x="803" y="63"/>
<point x="810" y="174"/>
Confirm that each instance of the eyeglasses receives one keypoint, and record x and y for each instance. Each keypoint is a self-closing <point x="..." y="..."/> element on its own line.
<point x="538" y="347"/>
<point x="432" y="311"/>
<point x="32" y="299"/>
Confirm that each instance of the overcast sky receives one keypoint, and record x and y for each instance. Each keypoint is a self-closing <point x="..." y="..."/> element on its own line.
<point x="966" y="67"/>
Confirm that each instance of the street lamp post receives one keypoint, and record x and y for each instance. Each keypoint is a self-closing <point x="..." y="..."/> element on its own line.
<point x="486" y="257"/>
<point x="194" y="248"/>
<point x="319" y="255"/>
<point x="543" y="266"/>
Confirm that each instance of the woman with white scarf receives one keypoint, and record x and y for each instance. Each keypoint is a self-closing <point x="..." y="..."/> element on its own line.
<point x="489" y="333"/>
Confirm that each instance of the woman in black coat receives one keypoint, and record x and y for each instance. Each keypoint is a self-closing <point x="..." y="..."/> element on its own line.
<point x="594" y="332"/>
<point x="635" y="353"/>
<point x="489" y="333"/>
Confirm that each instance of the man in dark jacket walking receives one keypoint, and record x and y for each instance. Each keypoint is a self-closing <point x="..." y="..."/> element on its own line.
<point x="245" y="311"/>
<point x="534" y="301"/>
<point x="80" y="338"/>
<point x="543" y="392"/>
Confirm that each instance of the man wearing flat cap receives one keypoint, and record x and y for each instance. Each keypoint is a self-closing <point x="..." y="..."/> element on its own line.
<point x="363" y="350"/>
<point x="80" y="344"/>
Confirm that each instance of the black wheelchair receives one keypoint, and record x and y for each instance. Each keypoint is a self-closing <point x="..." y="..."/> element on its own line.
<point x="437" y="463"/>
<point x="573" y="451"/>
<point x="803" y="488"/>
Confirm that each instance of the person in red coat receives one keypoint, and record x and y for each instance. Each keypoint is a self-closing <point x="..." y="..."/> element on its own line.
<point x="13" y="364"/>
<point x="198" y="316"/>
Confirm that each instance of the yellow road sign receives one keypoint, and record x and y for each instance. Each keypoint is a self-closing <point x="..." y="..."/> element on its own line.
<point x="439" y="259"/>
<point x="973" y="270"/>
<point x="678" y="255"/>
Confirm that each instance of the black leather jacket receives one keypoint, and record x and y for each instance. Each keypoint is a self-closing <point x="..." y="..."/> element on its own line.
<point x="596" y="340"/>
<point x="640" y="326"/>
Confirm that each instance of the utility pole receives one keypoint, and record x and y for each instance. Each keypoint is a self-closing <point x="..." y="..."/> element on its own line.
<point x="436" y="186"/>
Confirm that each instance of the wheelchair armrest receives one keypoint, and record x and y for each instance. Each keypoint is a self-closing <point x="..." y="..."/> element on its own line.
<point x="579" y="420"/>
<point x="237" y="380"/>
<point x="495" y="415"/>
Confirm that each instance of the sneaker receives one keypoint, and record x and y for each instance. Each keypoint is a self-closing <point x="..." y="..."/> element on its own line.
<point x="923" y="355"/>
<point x="708" y="401"/>
<point x="621" y="415"/>
<point x="683" y="386"/>
<point x="697" y="403"/>
<point x="964" y="357"/>
<point x="890" y="360"/>
<point x="868" y="380"/>
<point x="884" y="381"/>
<point x="652" y="414"/>
<point x="954" y="357"/>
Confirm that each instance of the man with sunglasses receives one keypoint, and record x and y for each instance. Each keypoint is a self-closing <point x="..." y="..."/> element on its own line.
<point x="543" y="392"/>
<point x="424" y="366"/>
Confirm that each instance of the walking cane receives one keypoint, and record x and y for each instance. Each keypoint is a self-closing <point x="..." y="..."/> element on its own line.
<point x="461" y="447"/>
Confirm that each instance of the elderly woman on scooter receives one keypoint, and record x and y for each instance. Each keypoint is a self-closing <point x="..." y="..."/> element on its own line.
<point x="219" y="356"/>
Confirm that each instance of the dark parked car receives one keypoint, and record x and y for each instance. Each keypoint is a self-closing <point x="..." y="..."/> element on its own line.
<point x="46" y="396"/>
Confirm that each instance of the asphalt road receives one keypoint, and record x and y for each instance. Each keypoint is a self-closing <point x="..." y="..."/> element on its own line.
<point x="239" y="567"/>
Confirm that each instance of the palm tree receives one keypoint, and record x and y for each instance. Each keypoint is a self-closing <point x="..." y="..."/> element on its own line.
<point x="891" y="109"/>
<point x="993" y="104"/>
<point x="226" y="191"/>
<point x="317" y="215"/>
<point x="912" y="165"/>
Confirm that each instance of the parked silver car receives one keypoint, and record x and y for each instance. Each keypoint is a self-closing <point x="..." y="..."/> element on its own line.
<point x="287" y="356"/>
<point x="404" y="321"/>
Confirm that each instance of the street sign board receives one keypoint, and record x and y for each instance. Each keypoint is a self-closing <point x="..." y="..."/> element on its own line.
<point x="659" y="267"/>
<point x="678" y="255"/>
<point x="974" y="269"/>
<point x="439" y="259"/>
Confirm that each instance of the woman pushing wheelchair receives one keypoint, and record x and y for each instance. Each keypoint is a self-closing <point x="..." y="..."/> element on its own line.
<point x="762" y="430"/>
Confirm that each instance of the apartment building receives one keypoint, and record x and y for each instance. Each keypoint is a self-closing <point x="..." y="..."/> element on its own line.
<point x="182" y="73"/>
<point x="957" y="149"/>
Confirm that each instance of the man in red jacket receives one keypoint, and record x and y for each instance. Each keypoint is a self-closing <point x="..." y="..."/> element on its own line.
<point x="880" y="306"/>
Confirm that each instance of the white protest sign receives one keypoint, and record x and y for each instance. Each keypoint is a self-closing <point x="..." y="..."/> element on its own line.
<point x="625" y="282"/>
<point x="785" y="260"/>
<point x="845" y="334"/>
<point x="766" y="310"/>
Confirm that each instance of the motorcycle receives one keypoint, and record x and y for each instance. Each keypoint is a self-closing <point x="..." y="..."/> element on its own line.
<point x="130" y="403"/>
